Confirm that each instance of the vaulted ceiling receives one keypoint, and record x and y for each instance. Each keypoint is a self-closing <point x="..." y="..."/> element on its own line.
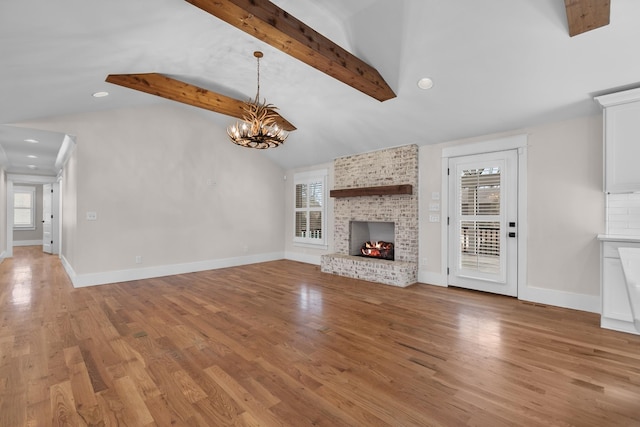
<point x="496" y="65"/>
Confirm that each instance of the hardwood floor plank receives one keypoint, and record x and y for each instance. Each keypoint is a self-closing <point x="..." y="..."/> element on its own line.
<point x="281" y="343"/>
<point x="136" y="410"/>
<point x="248" y="402"/>
<point x="63" y="406"/>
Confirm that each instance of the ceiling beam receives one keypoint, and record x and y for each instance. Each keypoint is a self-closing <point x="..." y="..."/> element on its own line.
<point x="176" y="90"/>
<point x="274" y="26"/>
<point x="587" y="15"/>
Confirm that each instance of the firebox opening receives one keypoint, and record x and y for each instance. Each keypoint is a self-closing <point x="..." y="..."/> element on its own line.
<point x="379" y="236"/>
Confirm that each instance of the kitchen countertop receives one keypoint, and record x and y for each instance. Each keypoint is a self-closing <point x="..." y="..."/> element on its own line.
<point x="618" y="238"/>
<point x="630" y="258"/>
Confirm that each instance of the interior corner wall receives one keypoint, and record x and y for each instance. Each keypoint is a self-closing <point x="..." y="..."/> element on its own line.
<point x="3" y="213"/>
<point x="69" y="212"/>
<point x="169" y="191"/>
<point x="565" y="202"/>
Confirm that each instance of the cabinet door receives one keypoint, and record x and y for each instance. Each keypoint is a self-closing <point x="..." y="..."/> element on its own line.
<point x="615" y="300"/>
<point x="622" y="148"/>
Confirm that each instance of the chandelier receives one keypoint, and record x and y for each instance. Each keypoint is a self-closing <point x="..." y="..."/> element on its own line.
<point x="258" y="128"/>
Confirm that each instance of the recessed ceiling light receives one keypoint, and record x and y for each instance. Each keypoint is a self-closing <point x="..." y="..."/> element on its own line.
<point x="425" y="83"/>
<point x="31" y="140"/>
<point x="31" y="156"/>
<point x="32" y="166"/>
<point x="100" y="94"/>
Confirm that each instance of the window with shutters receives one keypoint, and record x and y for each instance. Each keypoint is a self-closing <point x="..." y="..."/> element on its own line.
<point x="24" y="208"/>
<point x="310" y="207"/>
<point x="480" y="220"/>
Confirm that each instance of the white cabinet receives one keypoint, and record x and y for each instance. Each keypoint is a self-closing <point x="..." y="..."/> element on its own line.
<point x="616" y="309"/>
<point x="621" y="141"/>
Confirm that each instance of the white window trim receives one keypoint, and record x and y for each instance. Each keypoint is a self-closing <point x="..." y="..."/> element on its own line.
<point x="32" y="191"/>
<point x="306" y="178"/>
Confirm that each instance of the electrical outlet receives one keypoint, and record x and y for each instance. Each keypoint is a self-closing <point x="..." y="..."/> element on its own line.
<point x="138" y="259"/>
<point x="92" y="216"/>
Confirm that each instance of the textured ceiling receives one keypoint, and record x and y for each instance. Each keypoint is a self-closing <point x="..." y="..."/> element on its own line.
<point x="497" y="65"/>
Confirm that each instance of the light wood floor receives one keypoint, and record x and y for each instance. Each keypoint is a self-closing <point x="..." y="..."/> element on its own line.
<point x="280" y="343"/>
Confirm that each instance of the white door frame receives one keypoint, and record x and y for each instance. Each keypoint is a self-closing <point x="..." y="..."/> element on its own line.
<point x="13" y="179"/>
<point x="516" y="142"/>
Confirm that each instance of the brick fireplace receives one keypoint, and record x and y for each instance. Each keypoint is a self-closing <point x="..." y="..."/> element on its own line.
<point x="384" y="168"/>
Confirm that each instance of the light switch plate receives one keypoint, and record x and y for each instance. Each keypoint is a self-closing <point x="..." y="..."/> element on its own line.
<point x="92" y="216"/>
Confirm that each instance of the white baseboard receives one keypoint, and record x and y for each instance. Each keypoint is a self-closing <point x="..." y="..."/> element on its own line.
<point x="432" y="278"/>
<point x="590" y="303"/>
<point x="618" y="325"/>
<point x="583" y="302"/>
<point x="92" y="279"/>
<point x="27" y="243"/>
<point x="3" y="255"/>
<point x="306" y="258"/>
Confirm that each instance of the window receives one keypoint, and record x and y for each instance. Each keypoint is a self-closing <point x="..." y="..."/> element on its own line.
<point x="24" y="208"/>
<point x="310" y="207"/>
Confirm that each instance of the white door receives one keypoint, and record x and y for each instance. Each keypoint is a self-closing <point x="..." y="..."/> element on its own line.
<point x="483" y="219"/>
<point x="47" y="216"/>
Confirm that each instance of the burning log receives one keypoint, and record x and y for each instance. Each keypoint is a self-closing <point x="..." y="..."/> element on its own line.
<point x="383" y="250"/>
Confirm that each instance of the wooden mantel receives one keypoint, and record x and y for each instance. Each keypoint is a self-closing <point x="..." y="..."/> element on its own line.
<point x="384" y="190"/>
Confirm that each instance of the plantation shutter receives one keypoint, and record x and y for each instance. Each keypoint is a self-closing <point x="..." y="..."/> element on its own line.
<point x="480" y="220"/>
<point x="309" y="208"/>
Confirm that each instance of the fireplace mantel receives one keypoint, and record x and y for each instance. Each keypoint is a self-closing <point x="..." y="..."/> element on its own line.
<point x="384" y="190"/>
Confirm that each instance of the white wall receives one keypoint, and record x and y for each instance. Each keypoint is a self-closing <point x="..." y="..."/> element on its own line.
<point x="565" y="211"/>
<point x="298" y="252"/>
<point x="167" y="186"/>
<point x="3" y="213"/>
<point x="69" y="213"/>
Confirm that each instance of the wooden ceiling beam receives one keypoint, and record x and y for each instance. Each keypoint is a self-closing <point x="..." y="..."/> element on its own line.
<point x="176" y="90"/>
<point x="587" y="15"/>
<point x="274" y="26"/>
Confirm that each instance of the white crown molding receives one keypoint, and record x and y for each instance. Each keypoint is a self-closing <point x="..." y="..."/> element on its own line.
<point x="31" y="179"/>
<point x="68" y="144"/>
<point x="618" y="98"/>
